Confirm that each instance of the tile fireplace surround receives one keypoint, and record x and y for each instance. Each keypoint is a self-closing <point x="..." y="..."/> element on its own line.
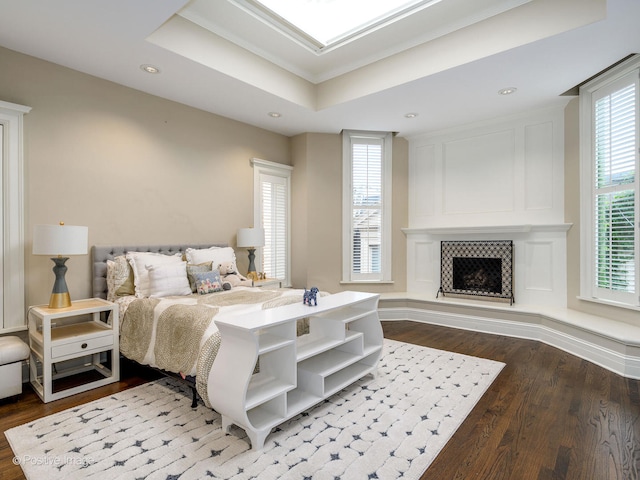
<point x="477" y="267"/>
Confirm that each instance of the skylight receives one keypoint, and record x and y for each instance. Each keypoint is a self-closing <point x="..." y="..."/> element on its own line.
<point x="326" y="23"/>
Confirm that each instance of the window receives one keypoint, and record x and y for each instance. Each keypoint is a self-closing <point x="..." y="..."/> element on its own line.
<point x="272" y="191"/>
<point x="609" y="130"/>
<point x="367" y="206"/>
<point x="12" y="308"/>
<point x="327" y="22"/>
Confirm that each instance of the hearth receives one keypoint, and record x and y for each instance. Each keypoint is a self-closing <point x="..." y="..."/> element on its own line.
<point x="477" y="267"/>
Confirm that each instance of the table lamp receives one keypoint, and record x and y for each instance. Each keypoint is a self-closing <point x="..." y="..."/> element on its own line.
<point x="60" y="240"/>
<point x="250" y="238"/>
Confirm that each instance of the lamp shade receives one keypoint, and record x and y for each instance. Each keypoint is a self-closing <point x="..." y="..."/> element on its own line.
<point x="251" y="237"/>
<point x="60" y="240"/>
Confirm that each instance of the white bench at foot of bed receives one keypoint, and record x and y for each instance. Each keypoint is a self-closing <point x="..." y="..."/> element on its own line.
<point x="344" y="344"/>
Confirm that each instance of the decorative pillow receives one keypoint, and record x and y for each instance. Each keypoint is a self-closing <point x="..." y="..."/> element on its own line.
<point x="215" y="255"/>
<point x="119" y="278"/>
<point x="168" y="279"/>
<point x="139" y="262"/>
<point x="208" y="282"/>
<point x="199" y="268"/>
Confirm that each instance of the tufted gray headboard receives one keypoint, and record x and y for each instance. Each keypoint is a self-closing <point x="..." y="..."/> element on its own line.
<point x="100" y="255"/>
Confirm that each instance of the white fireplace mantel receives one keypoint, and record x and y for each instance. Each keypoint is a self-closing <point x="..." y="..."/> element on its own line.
<point x="488" y="229"/>
<point x="539" y="258"/>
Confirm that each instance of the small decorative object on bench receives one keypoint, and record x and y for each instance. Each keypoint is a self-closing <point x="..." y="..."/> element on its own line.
<point x="310" y="296"/>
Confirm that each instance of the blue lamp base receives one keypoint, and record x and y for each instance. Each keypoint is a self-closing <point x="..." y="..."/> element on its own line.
<point x="251" y="271"/>
<point x="60" y="297"/>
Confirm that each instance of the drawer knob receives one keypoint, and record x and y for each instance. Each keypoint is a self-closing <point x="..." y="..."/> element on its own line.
<point x="84" y="345"/>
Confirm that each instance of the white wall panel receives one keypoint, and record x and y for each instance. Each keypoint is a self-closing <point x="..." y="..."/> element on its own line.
<point x="422" y="181"/>
<point x="538" y="265"/>
<point x="423" y="264"/>
<point x="425" y="261"/>
<point x="502" y="172"/>
<point x="539" y="174"/>
<point x="478" y="174"/>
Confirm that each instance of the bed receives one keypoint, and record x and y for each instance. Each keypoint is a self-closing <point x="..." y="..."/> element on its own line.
<point x="176" y="333"/>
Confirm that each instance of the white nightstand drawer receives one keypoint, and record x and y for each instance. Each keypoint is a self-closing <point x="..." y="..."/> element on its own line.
<point x="81" y="346"/>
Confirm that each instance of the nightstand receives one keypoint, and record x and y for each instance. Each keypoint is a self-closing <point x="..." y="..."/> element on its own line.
<point x="70" y="341"/>
<point x="268" y="283"/>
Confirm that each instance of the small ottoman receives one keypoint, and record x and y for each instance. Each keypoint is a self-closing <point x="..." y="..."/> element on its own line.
<point x="12" y="352"/>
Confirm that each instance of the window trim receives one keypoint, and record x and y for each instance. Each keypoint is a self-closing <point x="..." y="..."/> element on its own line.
<point x="588" y="289"/>
<point x="347" y="193"/>
<point x="12" y="306"/>
<point x="265" y="167"/>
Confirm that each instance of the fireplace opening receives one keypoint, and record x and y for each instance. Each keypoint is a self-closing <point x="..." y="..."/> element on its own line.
<point x="477" y="267"/>
<point x="478" y="274"/>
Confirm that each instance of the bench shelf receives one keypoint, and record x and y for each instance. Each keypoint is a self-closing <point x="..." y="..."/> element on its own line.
<point x="344" y="344"/>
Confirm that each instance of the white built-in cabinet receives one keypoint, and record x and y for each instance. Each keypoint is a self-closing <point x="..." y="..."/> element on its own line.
<point x="294" y="373"/>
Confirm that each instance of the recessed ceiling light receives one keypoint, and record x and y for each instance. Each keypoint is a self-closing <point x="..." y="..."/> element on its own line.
<point x="507" y="91"/>
<point x="274" y="114"/>
<point x="150" y="68"/>
<point x="411" y="115"/>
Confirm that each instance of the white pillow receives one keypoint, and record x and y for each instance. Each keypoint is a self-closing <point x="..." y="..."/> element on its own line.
<point x="168" y="279"/>
<point x="216" y="255"/>
<point x="139" y="262"/>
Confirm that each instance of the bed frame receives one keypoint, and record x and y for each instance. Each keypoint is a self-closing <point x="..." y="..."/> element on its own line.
<point x="99" y="257"/>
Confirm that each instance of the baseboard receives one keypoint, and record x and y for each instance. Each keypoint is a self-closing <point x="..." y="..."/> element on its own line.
<point x="603" y="351"/>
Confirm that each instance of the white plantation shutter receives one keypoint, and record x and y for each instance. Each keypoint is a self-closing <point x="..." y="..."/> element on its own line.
<point x="272" y="205"/>
<point x="367" y="207"/>
<point x="12" y="232"/>
<point x="615" y="157"/>
<point x="275" y="222"/>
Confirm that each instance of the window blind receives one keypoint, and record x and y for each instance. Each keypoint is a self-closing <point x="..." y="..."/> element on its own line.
<point x="366" y="211"/>
<point x="275" y="203"/>
<point x="615" y="154"/>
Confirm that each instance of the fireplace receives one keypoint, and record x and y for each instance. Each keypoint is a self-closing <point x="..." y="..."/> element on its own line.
<point x="483" y="268"/>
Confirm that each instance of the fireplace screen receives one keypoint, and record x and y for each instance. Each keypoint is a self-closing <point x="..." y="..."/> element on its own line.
<point x="477" y="268"/>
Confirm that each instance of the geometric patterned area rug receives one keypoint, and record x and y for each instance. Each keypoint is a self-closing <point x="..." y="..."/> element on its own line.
<point x="387" y="427"/>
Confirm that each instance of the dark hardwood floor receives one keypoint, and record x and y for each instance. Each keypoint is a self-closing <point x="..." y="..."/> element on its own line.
<point x="548" y="415"/>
